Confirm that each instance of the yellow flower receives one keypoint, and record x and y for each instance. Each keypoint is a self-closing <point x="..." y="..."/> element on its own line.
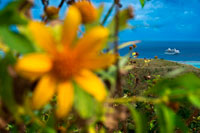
<point x="87" y="10"/>
<point x="135" y="54"/>
<point x="147" y="60"/>
<point x="65" y="62"/>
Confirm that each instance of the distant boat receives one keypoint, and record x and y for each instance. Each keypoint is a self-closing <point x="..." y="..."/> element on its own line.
<point x="173" y="51"/>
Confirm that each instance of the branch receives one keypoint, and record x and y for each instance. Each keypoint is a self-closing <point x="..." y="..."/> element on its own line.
<point x="118" y="90"/>
<point x="61" y="3"/>
<point x="108" y="14"/>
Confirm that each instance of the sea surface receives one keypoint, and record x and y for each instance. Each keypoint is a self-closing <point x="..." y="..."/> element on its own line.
<point x="189" y="51"/>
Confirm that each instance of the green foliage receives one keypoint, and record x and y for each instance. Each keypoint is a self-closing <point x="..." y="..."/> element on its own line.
<point x="181" y="86"/>
<point x="6" y="83"/>
<point x="16" y="41"/>
<point x="10" y="14"/>
<point x="139" y="119"/>
<point x="168" y="120"/>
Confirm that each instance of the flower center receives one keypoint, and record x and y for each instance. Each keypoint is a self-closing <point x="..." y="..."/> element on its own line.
<point x="65" y="66"/>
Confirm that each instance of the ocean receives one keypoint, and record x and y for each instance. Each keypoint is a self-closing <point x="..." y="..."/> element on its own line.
<point x="189" y="51"/>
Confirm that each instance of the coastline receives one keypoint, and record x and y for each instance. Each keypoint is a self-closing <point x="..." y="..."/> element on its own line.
<point x="193" y="63"/>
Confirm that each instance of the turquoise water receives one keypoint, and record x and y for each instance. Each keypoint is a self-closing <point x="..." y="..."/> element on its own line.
<point x="193" y="63"/>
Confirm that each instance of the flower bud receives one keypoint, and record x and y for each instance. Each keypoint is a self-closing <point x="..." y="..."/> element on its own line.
<point x="134" y="45"/>
<point x="51" y="11"/>
<point x="87" y="10"/>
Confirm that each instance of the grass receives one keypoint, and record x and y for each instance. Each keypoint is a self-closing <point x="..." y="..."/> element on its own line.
<point x="143" y="75"/>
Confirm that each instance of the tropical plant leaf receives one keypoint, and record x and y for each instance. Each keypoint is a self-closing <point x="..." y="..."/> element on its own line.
<point x="139" y="119"/>
<point x="6" y="83"/>
<point x="168" y="120"/>
<point x="16" y="41"/>
<point x="10" y="14"/>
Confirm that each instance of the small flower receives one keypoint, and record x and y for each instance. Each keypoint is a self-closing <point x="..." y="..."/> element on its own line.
<point x="130" y="48"/>
<point x="147" y="60"/>
<point x="135" y="54"/>
<point x="156" y="57"/>
<point x="87" y="10"/>
<point x="65" y="62"/>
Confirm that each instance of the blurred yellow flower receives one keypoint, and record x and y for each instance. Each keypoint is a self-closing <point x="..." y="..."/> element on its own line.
<point x="135" y="54"/>
<point x="65" y="62"/>
<point x="147" y="60"/>
<point x="87" y="10"/>
<point x="3" y="47"/>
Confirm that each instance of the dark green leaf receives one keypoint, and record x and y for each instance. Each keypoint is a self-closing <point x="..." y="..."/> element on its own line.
<point x="139" y="119"/>
<point x="6" y="88"/>
<point x="16" y="41"/>
<point x="10" y="14"/>
<point x="168" y="120"/>
<point x="142" y="2"/>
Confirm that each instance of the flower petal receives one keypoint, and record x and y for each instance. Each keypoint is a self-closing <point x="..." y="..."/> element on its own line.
<point x="92" y="42"/>
<point x="33" y="65"/>
<point x="65" y="99"/>
<point x="98" y="62"/>
<point x="43" y="92"/>
<point x="71" y="24"/>
<point x="91" y="84"/>
<point x="42" y="35"/>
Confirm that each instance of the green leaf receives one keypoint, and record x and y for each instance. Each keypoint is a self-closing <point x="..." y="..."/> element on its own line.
<point x="16" y="41"/>
<point x="168" y="120"/>
<point x="6" y="86"/>
<point x="142" y="2"/>
<point x="178" y="86"/>
<point x="139" y="119"/>
<point x="84" y="103"/>
<point x="10" y="14"/>
<point x="195" y="100"/>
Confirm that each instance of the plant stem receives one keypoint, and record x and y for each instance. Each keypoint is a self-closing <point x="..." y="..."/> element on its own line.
<point x="108" y="14"/>
<point x="61" y="3"/>
<point x="118" y="90"/>
<point x="134" y="99"/>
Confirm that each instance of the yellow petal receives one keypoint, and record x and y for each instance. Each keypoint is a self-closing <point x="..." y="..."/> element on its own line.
<point x="43" y="92"/>
<point x="33" y="65"/>
<point x="91" y="84"/>
<point x="65" y="99"/>
<point x="71" y="24"/>
<point x="92" y="42"/>
<point x="98" y="62"/>
<point x="42" y="35"/>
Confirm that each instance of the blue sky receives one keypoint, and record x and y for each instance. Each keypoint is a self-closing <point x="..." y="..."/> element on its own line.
<point x="159" y="20"/>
